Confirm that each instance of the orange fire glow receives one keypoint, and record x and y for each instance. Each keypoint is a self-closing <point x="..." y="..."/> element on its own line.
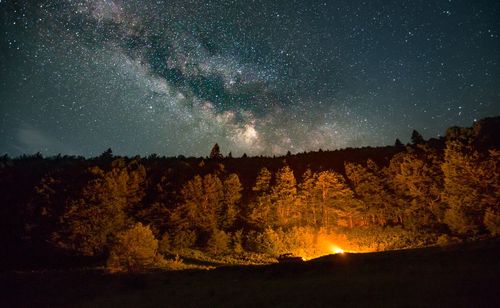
<point x="336" y="249"/>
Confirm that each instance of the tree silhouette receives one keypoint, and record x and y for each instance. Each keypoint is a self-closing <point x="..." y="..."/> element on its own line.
<point x="416" y="138"/>
<point x="215" y="152"/>
<point x="398" y="143"/>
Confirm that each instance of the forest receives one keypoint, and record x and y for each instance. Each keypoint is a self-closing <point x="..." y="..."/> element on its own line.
<point x="136" y="213"/>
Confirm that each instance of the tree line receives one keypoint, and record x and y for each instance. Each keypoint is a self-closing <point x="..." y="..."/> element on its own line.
<point x="423" y="193"/>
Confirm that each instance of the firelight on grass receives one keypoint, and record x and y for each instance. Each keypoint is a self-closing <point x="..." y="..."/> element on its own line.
<point x="336" y="250"/>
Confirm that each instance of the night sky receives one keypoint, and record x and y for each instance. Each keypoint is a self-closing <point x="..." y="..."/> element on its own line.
<point x="260" y="77"/>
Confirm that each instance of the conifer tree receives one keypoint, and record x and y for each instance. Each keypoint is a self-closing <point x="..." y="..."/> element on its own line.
<point x="215" y="152"/>
<point x="470" y="187"/>
<point x="416" y="181"/>
<point x="336" y="198"/>
<point x="260" y="213"/>
<point x="232" y="197"/>
<point x="416" y="138"/>
<point x="398" y="143"/>
<point x="284" y="197"/>
<point x="92" y="220"/>
<point x="371" y="189"/>
<point x="308" y="199"/>
<point x="202" y="203"/>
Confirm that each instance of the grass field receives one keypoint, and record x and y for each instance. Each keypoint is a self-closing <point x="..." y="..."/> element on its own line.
<point x="459" y="276"/>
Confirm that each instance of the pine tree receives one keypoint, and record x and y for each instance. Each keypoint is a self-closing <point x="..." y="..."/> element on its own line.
<point x="218" y="243"/>
<point x="188" y="214"/>
<point x="416" y="180"/>
<point x="470" y="187"/>
<point x="232" y="197"/>
<point x="372" y="190"/>
<point x="398" y="143"/>
<point x="260" y="213"/>
<point x="308" y="199"/>
<point x="336" y="198"/>
<point x="416" y="138"/>
<point x="215" y="152"/>
<point x="92" y="220"/>
<point x="263" y="181"/>
<point x="202" y="202"/>
<point x="283" y="197"/>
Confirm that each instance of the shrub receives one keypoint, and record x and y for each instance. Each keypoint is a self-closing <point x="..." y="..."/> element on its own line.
<point x="173" y="264"/>
<point x="164" y="244"/>
<point x="269" y="242"/>
<point x="218" y="242"/>
<point x="183" y="239"/>
<point x="445" y="240"/>
<point x="237" y="242"/>
<point x="135" y="250"/>
<point x="492" y="221"/>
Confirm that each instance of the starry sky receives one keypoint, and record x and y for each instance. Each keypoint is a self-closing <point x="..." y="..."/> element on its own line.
<point x="257" y="77"/>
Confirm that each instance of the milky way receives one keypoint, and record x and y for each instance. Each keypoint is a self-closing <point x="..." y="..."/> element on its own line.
<point x="258" y="77"/>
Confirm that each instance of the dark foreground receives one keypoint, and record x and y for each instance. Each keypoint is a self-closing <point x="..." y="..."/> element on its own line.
<point x="461" y="276"/>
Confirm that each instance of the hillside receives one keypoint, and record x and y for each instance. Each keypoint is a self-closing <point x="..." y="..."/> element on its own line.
<point x="455" y="276"/>
<point x="67" y="212"/>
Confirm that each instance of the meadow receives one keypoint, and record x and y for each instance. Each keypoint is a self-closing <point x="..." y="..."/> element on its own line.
<point x="465" y="275"/>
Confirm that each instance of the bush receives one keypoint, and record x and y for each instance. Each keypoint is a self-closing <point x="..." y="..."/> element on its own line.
<point x="269" y="241"/>
<point x="218" y="242"/>
<point x="135" y="250"/>
<point x="173" y="264"/>
<point x="183" y="239"/>
<point x="237" y="242"/>
<point x="446" y="240"/>
<point x="492" y="221"/>
<point x="164" y="244"/>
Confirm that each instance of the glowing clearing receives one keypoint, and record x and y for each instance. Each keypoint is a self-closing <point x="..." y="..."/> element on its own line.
<point x="335" y="250"/>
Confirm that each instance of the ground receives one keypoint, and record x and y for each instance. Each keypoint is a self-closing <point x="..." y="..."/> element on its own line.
<point x="458" y="276"/>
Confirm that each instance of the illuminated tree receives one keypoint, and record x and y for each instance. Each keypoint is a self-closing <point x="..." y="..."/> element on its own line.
<point x="156" y="216"/>
<point x="212" y="203"/>
<point x="201" y="203"/>
<point x="416" y="180"/>
<point x="371" y="189"/>
<point x="218" y="242"/>
<point x="283" y="197"/>
<point x="183" y="239"/>
<point x="263" y="181"/>
<point x="237" y="241"/>
<point x="492" y="215"/>
<point x="260" y="212"/>
<point x="470" y="187"/>
<point x="337" y="199"/>
<point x="187" y="214"/>
<point x="492" y="220"/>
<point x="268" y="241"/>
<point x="135" y="250"/>
<point x="92" y="220"/>
<point x="310" y="205"/>
<point x="232" y="196"/>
